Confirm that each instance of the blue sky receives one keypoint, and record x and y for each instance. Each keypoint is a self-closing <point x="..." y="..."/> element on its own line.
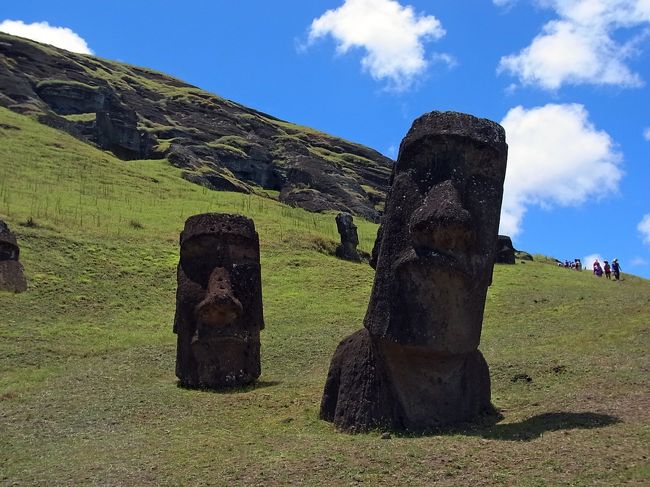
<point x="567" y="78"/>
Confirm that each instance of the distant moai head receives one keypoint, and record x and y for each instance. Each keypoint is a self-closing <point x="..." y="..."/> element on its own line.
<point x="8" y="245"/>
<point x="436" y="244"/>
<point x="12" y="274"/>
<point x="347" y="229"/>
<point x="218" y="302"/>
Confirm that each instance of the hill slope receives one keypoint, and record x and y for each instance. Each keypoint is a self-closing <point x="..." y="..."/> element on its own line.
<point x="87" y="387"/>
<point x="137" y="113"/>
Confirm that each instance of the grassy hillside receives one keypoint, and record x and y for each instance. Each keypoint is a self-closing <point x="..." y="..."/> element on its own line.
<point x="87" y="386"/>
<point x="137" y="113"/>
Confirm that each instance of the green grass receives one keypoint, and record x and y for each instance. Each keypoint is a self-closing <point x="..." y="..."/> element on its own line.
<point x="87" y="387"/>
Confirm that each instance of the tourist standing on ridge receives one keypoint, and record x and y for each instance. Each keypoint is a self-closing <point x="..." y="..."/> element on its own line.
<point x="598" y="271"/>
<point x="616" y="267"/>
<point x="608" y="270"/>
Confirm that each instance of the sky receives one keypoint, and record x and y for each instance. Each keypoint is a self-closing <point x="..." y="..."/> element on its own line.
<point x="568" y="80"/>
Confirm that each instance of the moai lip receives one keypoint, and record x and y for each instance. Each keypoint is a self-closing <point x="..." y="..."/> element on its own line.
<point x="417" y="361"/>
<point x="219" y="311"/>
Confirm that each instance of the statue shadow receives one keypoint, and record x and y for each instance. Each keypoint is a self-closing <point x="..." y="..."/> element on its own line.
<point x="535" y="426"/>
<point x="262" y="384"/>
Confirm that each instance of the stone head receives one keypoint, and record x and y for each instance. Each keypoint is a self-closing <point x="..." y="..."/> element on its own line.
<point x="8" y="245"/>
<point x="435" y="248"/>
<point x="218" y="301"/>
<point x="346" y="228"/>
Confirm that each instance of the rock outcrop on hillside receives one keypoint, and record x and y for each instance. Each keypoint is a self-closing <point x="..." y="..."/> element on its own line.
<point x="137" y="113"/>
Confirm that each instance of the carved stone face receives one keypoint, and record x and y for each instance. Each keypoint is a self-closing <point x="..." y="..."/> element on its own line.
<point x="8" y="245"/>
<point x="218" y="302"/>
<point x="436" y="245"/>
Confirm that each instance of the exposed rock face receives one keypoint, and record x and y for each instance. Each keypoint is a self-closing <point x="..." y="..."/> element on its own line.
<point x="349" y="239"/>
<point x="12" y="275"/>
<point x="505" y="251"/>
<point x="416" y="364"/>
<point x="218" y="302"/>
<point x="140" y="114"/>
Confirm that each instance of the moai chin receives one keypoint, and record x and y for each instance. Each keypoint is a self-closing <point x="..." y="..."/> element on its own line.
<point x="347" y="249"/>
<point x="218" y="302"/>
<point x="12" y="275"/>
<point x="416" y="364"/>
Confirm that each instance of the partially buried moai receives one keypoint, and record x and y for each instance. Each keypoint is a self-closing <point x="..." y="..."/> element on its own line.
<point x="12" y="275"/>
<point x="347" y="249"/>
<point x="218" y="302"/>
<point x="416" y="364"/>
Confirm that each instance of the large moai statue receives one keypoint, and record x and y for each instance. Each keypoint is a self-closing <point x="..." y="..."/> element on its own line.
<point x="416" y="364"/>
<point x="347" y="249"/>
<point x="218" y="302"/>
<point x="12" y="274"/>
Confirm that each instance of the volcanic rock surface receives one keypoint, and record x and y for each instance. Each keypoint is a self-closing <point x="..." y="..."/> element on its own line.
<point x="12" y="274"/>
<point x="218" y="302"/>
<point x="416" y="365"/>
<point x="347" y="249"/>
<point x="505" y="251"/>
<point x="137" y="113"/>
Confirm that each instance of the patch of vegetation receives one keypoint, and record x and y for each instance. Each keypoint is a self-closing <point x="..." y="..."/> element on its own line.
<point x="81" y="117"/>
<point x="228" y="148"/>
<point x="234" y="141"/>
<point x="64" y="82"/>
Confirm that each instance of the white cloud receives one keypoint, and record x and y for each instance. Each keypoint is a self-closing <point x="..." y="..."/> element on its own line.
<point x="504" y="3"/>
<point x="644" y="228"/>
<point x="638" y="262"/>
<point x="580" y="46"/>
<point x="43" y="32"/>
<point x="556" y="157"/>
<point x="646" y="134"/>
<point x="392" y="36"/>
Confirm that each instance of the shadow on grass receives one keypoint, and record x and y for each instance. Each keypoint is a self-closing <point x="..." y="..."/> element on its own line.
<point x="535" y="426"/>
<point x="488" y="426"/>
<point x="233" y="390"/>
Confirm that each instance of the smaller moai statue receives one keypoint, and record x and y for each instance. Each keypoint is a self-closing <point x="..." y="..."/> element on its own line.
<point x="347" y="249"/>
<point x="219" y="311"/>
<point x="12" y="274"/>
<point x="505" y="251"/>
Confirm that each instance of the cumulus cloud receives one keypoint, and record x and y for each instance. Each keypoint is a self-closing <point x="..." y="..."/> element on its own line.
<point x="556" y="157"/>
<point x="589" y="42"/>
<point x="392" y="36"/>
<point x="646" y="134"/>
<point x="644" y="228"/>
<point x="62" y="37"/>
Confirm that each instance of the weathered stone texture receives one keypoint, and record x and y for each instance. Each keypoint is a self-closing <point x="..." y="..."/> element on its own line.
<point x="218" y="302"/>
<point x="505" y="251"/>
<point x="12" y="274"/>
<point x="347" y="249"/>
<point x="416" y="365"/>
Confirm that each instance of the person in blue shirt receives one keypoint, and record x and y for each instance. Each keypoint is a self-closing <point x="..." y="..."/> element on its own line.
<point x="616" y="268"/>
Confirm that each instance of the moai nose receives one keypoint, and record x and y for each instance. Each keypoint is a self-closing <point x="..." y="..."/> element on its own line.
<point x="220" y="306"/>
<point x="442" y="223"/>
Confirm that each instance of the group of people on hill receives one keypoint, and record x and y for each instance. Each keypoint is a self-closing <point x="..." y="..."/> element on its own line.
<point x="575" y="264"/>
<point x="607" y="269"/>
